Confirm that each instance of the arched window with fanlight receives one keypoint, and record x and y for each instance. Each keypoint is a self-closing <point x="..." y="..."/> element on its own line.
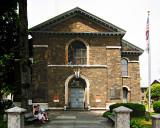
<point x="124" y="64"/>
<point x="77" y="53"/>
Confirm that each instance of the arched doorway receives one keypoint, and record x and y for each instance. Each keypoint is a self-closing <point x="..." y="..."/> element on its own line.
<point x="125" y="95"/>
<point x="82" y="90"/>
<point x="77" y="91"/>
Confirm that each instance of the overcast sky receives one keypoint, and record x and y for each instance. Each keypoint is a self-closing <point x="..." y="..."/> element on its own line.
<point x="130" y="15"/>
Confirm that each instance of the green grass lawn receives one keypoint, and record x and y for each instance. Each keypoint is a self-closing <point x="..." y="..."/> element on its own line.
<point x="141" y="120"/>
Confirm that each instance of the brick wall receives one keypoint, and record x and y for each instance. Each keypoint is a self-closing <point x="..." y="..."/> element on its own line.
<point x="50" y="81"/>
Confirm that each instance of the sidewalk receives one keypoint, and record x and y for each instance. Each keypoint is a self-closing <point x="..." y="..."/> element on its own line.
<point x="74" y="119"/>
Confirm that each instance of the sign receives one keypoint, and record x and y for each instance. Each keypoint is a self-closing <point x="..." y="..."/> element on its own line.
<point x="115" y="93"/>
<point x="98" y="98"/>
<point x="30" y="102"/>
<point x="56" y="98"/>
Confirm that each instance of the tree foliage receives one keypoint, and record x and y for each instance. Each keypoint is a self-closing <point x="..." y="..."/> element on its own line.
<point x="8" y="41"/>
<point x="8" y="25"/>
<point x="155" y="91"/>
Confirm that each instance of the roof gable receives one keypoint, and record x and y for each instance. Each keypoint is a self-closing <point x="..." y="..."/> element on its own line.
<point x="77" y="24"/>
<point x="128" y="48"/>
<point x="80" y="13"/>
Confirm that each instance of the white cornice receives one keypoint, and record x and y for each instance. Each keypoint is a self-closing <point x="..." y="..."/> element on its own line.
<point x="113" y="47"/>
<point x="40" y="46"/>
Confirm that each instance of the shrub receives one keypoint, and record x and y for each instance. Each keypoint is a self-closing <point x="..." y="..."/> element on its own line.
<point x="135" y="124"/>
<point x="105" y="114"/>
<point x="156" y="106"/>
<point x="138" y="109"/>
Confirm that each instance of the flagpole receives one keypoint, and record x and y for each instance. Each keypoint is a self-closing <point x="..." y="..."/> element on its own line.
<point x="149" y="78"/>
<point x="149" y="66"/>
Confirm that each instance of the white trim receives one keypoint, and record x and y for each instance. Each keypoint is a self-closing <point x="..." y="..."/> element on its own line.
<point x="88" y="66"/>
<point x="98" y="108"/>
<point x="40" y="46"/>
<point x="130" y="61"/>
<point x="133" y="61"/>
<point x="125" y="59"/>
<point x="127" y="88"/>
<point x="113" y="47"/>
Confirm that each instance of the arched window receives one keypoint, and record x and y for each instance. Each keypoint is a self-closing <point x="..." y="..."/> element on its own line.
<point x="77" y="53"/>
<point x="77" y="82"/>
<point x="124" y="64"/>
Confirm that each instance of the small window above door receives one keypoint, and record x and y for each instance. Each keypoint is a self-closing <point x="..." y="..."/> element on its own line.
<point x="77" y="82"/>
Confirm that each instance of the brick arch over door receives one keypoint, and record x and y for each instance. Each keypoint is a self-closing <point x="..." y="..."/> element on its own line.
<point x="76" y="39"/>
<point x="67" y="84"/>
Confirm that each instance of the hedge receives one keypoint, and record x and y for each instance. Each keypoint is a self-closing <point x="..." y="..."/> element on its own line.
<point x="138" y="109"/>
<point x="107" y="113"/>
<point x="156" y="106"/>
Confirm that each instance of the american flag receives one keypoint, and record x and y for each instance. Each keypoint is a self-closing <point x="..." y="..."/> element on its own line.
<point x="147" y="35"/>
<point x="147" y="29"/>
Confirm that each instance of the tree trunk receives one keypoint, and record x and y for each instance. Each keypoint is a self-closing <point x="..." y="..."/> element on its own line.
<point x="25" y="68"/>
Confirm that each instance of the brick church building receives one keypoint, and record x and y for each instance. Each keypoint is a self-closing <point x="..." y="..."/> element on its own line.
<point x="81" y="61"/>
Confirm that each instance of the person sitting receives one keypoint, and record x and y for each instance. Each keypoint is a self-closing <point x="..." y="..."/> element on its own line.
<point x="43" y="112"/>
<point x="38" y="113"/>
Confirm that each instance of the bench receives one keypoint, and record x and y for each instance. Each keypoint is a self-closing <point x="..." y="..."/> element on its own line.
<point x="112" y="118"/>
<point x="31" y="118"/>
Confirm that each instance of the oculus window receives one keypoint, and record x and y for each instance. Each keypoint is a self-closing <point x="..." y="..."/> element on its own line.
<point x="77" y="53"/>
<point x="124" y="64"/>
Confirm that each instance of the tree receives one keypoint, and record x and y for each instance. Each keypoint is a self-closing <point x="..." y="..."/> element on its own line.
<point x="155" y="91"/>
<point x="25" y="69"/>
<point x="14" y="34"/>
<point x="8" y="40"/>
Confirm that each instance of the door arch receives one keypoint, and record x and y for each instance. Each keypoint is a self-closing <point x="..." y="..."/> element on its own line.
<point x="125" y="95"/>
<point x="67" y="86"/>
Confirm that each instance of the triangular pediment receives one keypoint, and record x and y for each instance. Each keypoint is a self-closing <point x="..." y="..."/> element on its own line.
<point x="77" y="20"/>
<point x="128" y="48"/>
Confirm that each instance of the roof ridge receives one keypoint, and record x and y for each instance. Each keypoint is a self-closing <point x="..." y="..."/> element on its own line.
<point x="72" y="11"/>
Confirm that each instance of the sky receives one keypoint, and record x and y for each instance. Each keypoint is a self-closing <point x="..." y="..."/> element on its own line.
<point x="130" y="15"/>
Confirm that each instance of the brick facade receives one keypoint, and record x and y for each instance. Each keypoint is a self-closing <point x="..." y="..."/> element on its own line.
<point x="51" y="72"/>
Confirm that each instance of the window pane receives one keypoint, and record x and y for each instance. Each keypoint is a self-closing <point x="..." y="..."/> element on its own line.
<point x="124" y="61"/>
<point x="77" y="53"/>
<point x="77" y="82"/>
<point x="124" y="65"/>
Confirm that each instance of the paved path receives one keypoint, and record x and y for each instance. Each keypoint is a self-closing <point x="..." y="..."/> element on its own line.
<point x="74" y="119"/>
